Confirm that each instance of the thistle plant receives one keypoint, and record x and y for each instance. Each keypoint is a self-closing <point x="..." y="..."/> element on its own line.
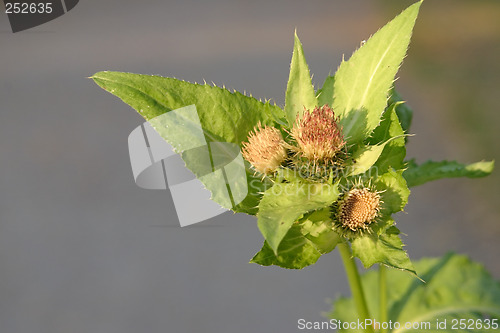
<point x="327" y="171"/>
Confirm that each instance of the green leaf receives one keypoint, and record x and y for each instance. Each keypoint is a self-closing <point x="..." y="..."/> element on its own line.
<point x="394" y="152"/>
<point x="386" y="249"/>
<point x="361" y="84"/>
<point x="317" y="228"/>
<point x="303" y="244"/>
<point x="295" y="252"/>
<point x="152" y="96"/>
<point x="236" y="114"/>
<point x="366" y="156"/>
<point x="326" y="93"/>
<point x="455" y="288"/>
<point x="430" y="170"/>
<point x="299" y="91"/>
<point x="404" y="112"/>
<point x="285" y="203"/>
<point x="394" y="190"/>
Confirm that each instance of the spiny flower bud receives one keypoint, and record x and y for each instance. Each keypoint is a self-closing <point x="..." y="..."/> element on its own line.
<point x="318" y="134"/>
<point x="265" y="149"/>
<point x="358" y="208"/>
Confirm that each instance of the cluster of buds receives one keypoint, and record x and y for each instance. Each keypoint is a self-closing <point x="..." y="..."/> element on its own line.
<point x="319" y="140"/>
<point x="265" y="149"/>
<point x="318" y="135"/>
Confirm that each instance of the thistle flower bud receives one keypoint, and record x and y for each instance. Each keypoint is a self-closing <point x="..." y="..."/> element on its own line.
<point x="318" y="134"/>
<point x="358" y="208"/>
<point x="265" y="149"/>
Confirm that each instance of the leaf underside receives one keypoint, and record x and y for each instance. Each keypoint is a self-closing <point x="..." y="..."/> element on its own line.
<point x="428" y="171"/>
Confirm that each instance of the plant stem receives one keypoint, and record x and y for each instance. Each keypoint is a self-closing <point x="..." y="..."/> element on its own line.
<point x="383" y="297"/>
<point x="355" y="284"/>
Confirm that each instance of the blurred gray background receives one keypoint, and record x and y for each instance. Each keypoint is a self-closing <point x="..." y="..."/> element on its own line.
<point x="83" y="249"/>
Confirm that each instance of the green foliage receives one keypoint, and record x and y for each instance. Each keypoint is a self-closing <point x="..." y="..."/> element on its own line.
<point x="299" y="91"/>
<point x="394" y="190"/>
<point x="430" y="170"/>
<point x="361" y="84"/>
<point x="394" y="151"/>
<point x="365" y="157"/>
<point x="283" y="204"/>
<point x="405" y="114"/>
<point x="455" y="288"/>
<point x="303" y="244"/>
<point x="386" y="249"/>
<point x="151" y="96"/>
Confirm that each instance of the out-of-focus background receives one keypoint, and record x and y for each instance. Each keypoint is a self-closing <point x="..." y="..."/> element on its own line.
<point x="83" y="249"/>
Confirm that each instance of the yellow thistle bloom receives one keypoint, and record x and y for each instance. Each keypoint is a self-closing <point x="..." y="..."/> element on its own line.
<point x="265" y="149"/>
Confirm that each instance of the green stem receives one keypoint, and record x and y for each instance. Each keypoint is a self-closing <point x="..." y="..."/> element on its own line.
<point x="355" y="284"/>
<point x="384" y="318"/>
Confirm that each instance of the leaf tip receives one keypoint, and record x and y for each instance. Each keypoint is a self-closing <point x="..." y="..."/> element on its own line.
<point x="297" y="43"/>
